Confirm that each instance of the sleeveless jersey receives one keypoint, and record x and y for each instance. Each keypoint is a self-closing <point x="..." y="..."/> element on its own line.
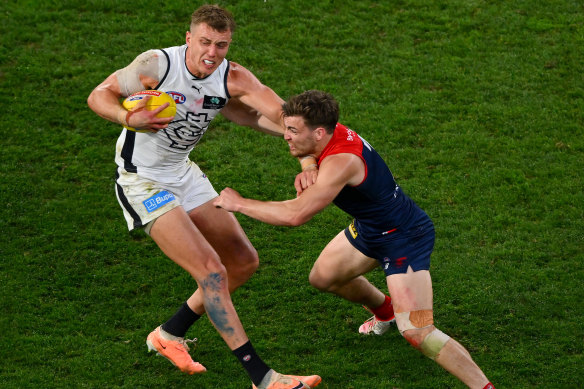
<point x="163" y="155"/>
<point x="377" y="204"/>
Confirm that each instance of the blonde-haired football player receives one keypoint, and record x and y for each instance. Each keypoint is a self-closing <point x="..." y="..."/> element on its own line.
<point x="162" y="191"/>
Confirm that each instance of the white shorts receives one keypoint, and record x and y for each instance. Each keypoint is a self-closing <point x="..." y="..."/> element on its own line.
<point x="143" y="200"/>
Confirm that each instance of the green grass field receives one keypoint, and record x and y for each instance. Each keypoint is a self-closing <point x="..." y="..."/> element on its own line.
<point x="477" y="106"/>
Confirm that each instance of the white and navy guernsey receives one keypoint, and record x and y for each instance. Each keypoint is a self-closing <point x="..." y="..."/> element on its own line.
<point x="377" y="203"/>
<point x="163" y="155"/>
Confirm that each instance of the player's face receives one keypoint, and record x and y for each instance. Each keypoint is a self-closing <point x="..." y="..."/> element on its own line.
<point x="206" y="49"/>
<point x="300" y="138"/>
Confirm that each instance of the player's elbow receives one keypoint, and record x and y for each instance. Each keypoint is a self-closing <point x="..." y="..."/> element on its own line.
<point x="298" y="219"/>
<point x="92" y="101"/>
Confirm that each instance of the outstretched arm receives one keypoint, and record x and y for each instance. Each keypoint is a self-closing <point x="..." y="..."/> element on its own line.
<point x="265" y="117"/>
<point x="244" y="115"/>
<point x="336" y="171"/>
<point x="253" y="102"/>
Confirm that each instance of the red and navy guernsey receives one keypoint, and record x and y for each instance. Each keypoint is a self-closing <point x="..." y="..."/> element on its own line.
<point x="377" y="203"/>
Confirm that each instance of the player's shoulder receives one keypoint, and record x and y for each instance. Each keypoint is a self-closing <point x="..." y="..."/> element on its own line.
<point x="174" y="53"/>
<point x="344" y="147"/>
<point x="150" y="54"/>
<point x="235" y="66"/>
<point x="239" y="72"/>
<point x="150" y="59"/>
<point x="240" y="80"/>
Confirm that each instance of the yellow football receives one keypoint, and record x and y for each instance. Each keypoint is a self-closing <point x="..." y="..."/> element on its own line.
<point x="157" y="98"/>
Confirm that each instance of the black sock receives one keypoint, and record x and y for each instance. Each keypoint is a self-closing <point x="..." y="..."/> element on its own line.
<point x="181" y="321"/>
<point x="251" y="362"/>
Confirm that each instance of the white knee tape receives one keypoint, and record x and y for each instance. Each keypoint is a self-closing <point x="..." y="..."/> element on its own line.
<point x="433" y="343"/>
<point x="403" y="322"/>
<point x="414" y="320"/>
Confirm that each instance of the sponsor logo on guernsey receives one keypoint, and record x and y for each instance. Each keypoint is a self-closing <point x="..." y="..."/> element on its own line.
<point x="350" y="134"/>
<point x="158" y="200"/>
<point x="178" y="97"/>
<point x="353" y="230"/>
<point x="213" y="102"/>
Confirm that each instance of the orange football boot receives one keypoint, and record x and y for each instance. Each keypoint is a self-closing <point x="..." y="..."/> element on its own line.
<point x="176" y="351"/>
<point x="281" y="381"/>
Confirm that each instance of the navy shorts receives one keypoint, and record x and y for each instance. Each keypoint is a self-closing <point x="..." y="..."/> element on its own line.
<point x="398" y="249"/>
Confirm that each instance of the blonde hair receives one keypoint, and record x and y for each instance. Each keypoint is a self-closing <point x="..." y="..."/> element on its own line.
<point x="216" y="17"/>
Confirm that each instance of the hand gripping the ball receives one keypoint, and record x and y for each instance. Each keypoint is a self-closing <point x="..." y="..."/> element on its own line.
<point x="148" y="111"/>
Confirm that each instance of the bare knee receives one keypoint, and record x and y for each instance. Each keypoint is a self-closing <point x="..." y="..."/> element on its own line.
<point x="249" y="260"/>
<point x="321" y="281"/>
<point x="201" y="266"/>
<point x="214" y="282"/>
<point x="243" y="262"/>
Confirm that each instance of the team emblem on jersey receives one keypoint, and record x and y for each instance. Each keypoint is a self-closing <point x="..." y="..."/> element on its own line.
<point x="385" y="263"/>
<point x="178" y="97"/>
<point x="158" y="200"/>
<point x="214" y="102"/>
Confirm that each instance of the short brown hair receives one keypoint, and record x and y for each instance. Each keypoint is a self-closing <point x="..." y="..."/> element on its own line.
<point x="216" y="17"/>
<point x="317" y="108"/>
